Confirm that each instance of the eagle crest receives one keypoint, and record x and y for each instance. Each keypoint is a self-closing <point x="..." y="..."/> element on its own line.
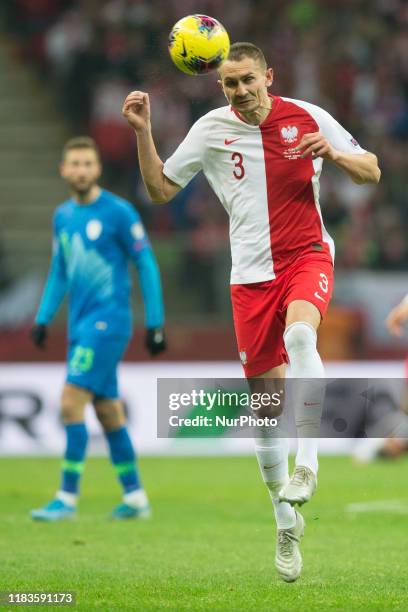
<point x="289" y="133"/>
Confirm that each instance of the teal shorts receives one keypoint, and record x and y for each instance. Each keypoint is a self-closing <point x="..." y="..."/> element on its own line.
<point x="92" y="364"/>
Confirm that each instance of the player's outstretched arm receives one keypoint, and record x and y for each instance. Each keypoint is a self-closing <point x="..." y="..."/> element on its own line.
<point x="361" y="167"/>
<point x="53" y="293"/>
<point x="397" y="317"/>
<point x="136" y="110"/>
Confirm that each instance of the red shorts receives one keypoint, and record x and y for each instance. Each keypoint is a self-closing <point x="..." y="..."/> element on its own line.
<point x="259" y="310"/>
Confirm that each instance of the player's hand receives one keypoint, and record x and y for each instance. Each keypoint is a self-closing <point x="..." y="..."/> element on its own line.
<point x="38" y="335"/>
<point x="397" y="318"/>
<point x="155" y="341"/>
<point x="316" y="145"/>
<point x="136" y="110"/>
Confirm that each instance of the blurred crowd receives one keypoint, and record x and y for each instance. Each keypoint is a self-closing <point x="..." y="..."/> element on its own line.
<point x="348" y="56"/>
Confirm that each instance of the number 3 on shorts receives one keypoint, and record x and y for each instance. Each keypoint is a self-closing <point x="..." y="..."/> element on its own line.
<point x="324" y="286"/>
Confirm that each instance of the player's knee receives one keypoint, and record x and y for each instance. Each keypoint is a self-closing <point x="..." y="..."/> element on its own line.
<point x="266" y="402"/>
<point x="110" y="414"/>
<point x="71" y="411"/>
<point x="299" y="336"/>
<point x="267" y="397"/>
<point x="270" y="411"/>
<point x="73" y="405"/>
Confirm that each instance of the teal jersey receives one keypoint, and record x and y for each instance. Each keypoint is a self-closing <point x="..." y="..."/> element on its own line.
<point x="93" y="245"/>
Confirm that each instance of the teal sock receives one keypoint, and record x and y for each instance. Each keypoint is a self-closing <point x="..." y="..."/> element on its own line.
<point x="73" y="463"/>
<point x="124" y="459"/>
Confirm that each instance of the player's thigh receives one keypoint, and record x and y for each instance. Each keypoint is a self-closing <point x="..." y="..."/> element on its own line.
<point x="270" y="383"/>
<point x="110" y="413"/>
<point x="92" y="364"/>
<point x="302" y="310"/>
<point x="259" y="322"/>
<point x="73" y="403"/>
<point x="308" y="291"/>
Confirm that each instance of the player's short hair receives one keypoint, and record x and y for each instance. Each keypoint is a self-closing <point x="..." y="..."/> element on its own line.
<point x="80" y="142"/>
<point x="238" y="50"/>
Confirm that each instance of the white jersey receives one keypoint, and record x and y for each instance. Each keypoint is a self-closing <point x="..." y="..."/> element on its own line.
<point x="269" y="191"/>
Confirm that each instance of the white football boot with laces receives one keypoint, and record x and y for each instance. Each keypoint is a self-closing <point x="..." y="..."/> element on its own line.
<point x="288" y="560"/>
<point x="300" y="487"/>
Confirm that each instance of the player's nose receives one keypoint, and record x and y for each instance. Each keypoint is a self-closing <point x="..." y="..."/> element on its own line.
<point x="241" y="90"/>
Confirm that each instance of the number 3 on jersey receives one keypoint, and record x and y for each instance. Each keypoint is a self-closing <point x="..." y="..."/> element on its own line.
<point x="324" y="286"/>
<point x="239" y="170"/>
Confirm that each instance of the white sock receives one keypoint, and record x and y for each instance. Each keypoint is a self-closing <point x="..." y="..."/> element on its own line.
<point x="272" y="455"/>
<point x="285" y="514"/>
<point x="70" y="499"/>
<point x="136" y="499"/>
<point x="300" y="343"/>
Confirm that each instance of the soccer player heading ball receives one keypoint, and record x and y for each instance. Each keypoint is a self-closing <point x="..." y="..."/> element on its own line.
<point x="263" y="155"/>
<point x="95" y="235"/>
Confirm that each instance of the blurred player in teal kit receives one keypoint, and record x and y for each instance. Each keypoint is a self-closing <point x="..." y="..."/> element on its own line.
<point x="95" y="235"/>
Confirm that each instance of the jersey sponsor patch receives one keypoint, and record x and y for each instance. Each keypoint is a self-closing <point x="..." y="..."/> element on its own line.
<point x="93" y="229"/>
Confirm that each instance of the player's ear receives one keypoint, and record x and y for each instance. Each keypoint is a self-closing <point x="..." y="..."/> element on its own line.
<point x="221" y="86"/>
<point x="269" y="77"/>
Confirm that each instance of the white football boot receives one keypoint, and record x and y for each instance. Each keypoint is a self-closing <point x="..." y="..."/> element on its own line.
<point x="288" y="560"/>
<point x="300" y="487"/>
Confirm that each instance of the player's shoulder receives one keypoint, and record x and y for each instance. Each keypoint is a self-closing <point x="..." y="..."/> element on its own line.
<point x="117" y="204"/>
<point x="312" y="109"/>
<point x="119" y="210"/>
<point x="214" y="116"/>
<point x="64" y="209"/>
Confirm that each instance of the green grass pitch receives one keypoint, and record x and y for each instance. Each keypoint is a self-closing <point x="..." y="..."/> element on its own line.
<point x="210" y="543"/>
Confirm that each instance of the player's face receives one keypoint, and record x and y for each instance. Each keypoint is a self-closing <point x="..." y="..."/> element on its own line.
<point x="245" y="84"/>
<point x="81" y="169"/>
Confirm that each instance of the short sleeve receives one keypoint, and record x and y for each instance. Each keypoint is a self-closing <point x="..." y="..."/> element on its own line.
<point x="186" y="161"/>
<point x="335" y="133"/>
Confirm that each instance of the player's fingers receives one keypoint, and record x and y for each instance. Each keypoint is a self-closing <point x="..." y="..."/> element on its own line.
<point x="135" y="96"/>
<point x="394" y="324"/>
<point x="319" y="147"/>
<point x="310" y="150"/>
<point x="319" y="152"/>
<point x="396" y="330"/>
<point x="307" y="139"/>
<point x="136" y="93"/>
<point x="132" y="107"/>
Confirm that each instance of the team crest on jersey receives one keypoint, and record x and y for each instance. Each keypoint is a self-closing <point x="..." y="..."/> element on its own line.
<point x="289" y="134"/>
<point x="94" y="229"/>
<point x="243" y="357"/>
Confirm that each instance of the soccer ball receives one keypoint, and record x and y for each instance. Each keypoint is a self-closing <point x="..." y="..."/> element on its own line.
<point x="198" y="44"/>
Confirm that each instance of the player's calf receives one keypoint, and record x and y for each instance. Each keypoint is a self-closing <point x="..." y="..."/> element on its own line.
<point x="135" y="503"/>
<point x="63" y="506"/>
